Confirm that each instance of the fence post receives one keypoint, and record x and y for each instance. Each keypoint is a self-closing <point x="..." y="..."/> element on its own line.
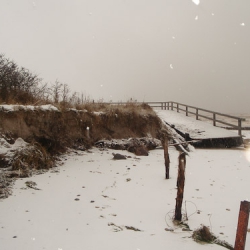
<point x="168" y="105"/>
<point x="214" y="119"/>
<point x="172" y="106"/>
<point x="186" y="110"/>
<point x="166" y="158"/>
<point x="239" y="127"/>
<point x="178" y="107"/>
<point x="197" y="113"/>
<point x="164" y="142"/>
<point x="241" y="234"/>
<point x="165" y="105"/>
<point x="180" y="186"/>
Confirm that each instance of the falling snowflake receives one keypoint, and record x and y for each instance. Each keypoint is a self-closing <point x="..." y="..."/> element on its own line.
<point x="196" y="18"/>
<point x="242" y="24"/>
<point x="171" y="66"/>
<point x="197" y="2"/>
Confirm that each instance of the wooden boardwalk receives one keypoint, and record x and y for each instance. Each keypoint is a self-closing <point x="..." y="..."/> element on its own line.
<point x="206" y="134"/>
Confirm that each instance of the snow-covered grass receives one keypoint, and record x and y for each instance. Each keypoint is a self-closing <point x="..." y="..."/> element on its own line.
<point x="88" y="202"/>
<point x="11" y="108"/>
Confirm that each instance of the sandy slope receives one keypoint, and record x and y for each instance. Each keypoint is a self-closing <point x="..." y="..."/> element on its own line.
<point x="133" y="192"/>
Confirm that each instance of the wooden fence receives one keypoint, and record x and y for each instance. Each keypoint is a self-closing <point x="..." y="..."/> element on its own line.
<point x="215" y="117"/>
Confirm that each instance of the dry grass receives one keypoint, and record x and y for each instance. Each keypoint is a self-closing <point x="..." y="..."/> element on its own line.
<point x="203" y="234"/>
<point x="32" y="157"/>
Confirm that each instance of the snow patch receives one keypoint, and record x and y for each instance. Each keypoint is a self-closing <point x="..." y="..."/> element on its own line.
<point x="12" y="108"/>
<point x="99" y="113"/>
<point x="8" y="149"/>
<point x="48" y="107"/>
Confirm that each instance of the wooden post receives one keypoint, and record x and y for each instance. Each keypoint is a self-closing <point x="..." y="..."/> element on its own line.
<point x="241" y="234"/>
<point x="186" y="110"/>
<point x="166" y="158"/>
<point x="180" y="186"/>
<point x="197" y="113"/>
<point x="214" y="119"/>
<point x="239" y="127"/>
<point x="164" y="142"/>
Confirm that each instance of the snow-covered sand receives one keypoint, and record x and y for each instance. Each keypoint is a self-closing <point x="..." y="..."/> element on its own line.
<point x="90" y="200"/>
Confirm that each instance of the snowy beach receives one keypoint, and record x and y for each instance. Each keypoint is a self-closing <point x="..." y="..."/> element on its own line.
<point x="92" y="148"/>
<point x="95" y="202"/>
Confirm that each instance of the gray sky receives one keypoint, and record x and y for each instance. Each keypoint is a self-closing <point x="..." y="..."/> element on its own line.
<point x="162" y="50"/>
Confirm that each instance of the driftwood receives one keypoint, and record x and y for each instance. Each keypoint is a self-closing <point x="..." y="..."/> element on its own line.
<point x="179" y="142"/>
<point x="183" y="143"/>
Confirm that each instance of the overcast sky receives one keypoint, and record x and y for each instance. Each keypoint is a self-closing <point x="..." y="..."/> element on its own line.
<point x="194" y="52"/>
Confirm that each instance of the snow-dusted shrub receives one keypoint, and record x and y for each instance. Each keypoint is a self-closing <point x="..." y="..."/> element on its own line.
<point x="29" y="158"/>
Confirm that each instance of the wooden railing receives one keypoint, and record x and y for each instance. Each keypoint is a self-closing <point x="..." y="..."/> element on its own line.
<point x="215" y="117"/>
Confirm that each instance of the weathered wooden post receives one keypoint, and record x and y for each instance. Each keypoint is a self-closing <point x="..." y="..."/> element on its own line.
<point x="214" y="119"/>
<point x="197" y="114"/>
<point x="166" y="158"/>
<point x="180" y="186"/>
<point x="241" y="234"/>
<point x="186" y="110"/>
<point x="239" y="127"/>
<point x="164" y="142"/>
